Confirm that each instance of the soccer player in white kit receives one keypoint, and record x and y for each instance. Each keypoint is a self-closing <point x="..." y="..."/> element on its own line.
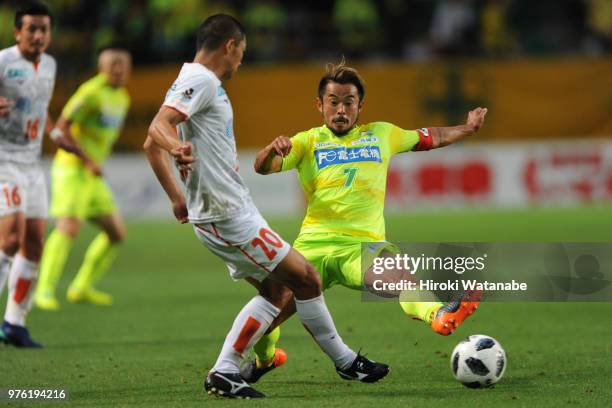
<point x="27" y="78"/>
<point x="224" y="218"/>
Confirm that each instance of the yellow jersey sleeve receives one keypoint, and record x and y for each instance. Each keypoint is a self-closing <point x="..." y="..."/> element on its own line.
<point x="83" y="103"/>
<point x="299" y="145"/>
<point x="402" y="140"/>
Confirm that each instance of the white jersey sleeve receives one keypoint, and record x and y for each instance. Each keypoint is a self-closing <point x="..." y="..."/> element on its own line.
<point x="191" y="94"/>
<point x="214" y="189"/>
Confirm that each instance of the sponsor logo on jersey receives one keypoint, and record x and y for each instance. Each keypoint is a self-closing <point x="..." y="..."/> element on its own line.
<point x="110" y="117"/>
<point x="172" y="89"/>
<point x="188" y="93"/>
<point x="341" y="155"/>
<point x="16" y="73"/>
<point x="110" y="121"/>
<point x="367" y="139"/>
<point x="327" y="144"/>
<point x="229" y="129"/>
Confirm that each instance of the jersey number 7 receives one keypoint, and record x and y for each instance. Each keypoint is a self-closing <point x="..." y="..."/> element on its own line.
<point x="351" y="173"/>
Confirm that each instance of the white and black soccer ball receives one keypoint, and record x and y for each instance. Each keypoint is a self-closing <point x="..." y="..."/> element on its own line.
<point x="479" y="361"/>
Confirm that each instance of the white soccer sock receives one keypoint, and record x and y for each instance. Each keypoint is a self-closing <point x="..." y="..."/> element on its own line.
<point x="22" y="282"/>
<point x="250" y="324"/>
<point x="317" y="320"/>
<point x="5" y="264"/>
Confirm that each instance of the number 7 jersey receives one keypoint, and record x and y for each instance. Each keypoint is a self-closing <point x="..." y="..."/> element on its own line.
<point x="345" y="177"/>
<point x="29" y="87"/>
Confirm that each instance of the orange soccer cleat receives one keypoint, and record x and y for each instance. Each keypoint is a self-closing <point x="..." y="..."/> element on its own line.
<point x="252" y="373"/>
<point x="450" y="316"/>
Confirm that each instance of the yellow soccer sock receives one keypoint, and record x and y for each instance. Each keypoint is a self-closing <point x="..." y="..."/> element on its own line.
<point x="266" y="347"/>
<point x="98" y="258"/>
<point x="420" y="310"/>
<point x="52" y="264"/>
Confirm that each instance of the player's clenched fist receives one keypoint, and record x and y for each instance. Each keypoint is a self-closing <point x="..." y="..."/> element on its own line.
<point x="282" y="146"/>
<point x="5" y="106"/>
<point x="476" y="118"/>
<point x="183" y="158"/>
<point x="183" y="155"/>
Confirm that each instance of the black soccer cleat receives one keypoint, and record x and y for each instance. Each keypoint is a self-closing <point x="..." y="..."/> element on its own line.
<point x="18" y="336"/>
<point x="364" y="370"/>
<point x="229" y="385"/>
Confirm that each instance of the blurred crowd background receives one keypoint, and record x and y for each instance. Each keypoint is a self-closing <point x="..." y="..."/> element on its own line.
<point x="411" y="30"/>
<point x="425" y="62"/>
<point x="543" y="68"/>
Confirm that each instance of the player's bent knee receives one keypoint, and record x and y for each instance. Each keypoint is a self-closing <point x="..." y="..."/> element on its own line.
<point x="33" y="249"/>
<point x="280" y="297"/>
<point x="69" y="226"/>
<point x="311" y="277"/>
<point x="10" y="243"/>
<point x="296" y="273"/>
<point x="117" y="237"/>
<point x="286" y="297"/>
<point x="117" y="233"/>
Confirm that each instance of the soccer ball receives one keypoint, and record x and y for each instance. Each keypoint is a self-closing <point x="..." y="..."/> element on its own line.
<point x="479" y="361"/>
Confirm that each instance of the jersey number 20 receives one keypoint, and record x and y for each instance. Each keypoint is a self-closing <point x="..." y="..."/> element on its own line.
<point x="265" y="240"/>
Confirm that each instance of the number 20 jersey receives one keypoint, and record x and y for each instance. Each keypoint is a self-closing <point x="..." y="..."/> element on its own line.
<point x="30" y="88"/>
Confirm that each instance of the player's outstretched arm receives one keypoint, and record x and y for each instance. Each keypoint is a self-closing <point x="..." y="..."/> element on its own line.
<point x="444" y="136"/>
<point x="158" y="159"/>
<point x="61" y="135"/>
<point x="270" y="158"/>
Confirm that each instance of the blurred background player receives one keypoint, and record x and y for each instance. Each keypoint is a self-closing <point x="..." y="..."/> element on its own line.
<point x="225" y="218"/>
<point x="27" y="78"/>
<point x="93" y="116"/>
<point x="343" y="170"/>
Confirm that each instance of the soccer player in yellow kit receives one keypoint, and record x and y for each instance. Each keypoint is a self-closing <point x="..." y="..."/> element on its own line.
<point x="342" y="167"/>
<point x="94" y="116"/>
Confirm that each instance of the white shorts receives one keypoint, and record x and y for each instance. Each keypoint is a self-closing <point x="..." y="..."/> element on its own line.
<point x="246" y="243"/>
<point x="23" y="189"/>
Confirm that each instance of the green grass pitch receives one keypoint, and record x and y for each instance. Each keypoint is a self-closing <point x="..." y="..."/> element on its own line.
<point x="175" y="302"/>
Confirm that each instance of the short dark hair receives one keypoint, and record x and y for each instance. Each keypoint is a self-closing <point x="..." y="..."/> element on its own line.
<point x="32" y="8"/>
<point x="341" y="74"/>
<point x="217" y="29"/>
<point x="115" y="46"/>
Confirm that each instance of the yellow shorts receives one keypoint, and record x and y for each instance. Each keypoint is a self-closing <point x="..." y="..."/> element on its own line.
<point x="338" y="258"/>
<point x="76" y="192"/>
